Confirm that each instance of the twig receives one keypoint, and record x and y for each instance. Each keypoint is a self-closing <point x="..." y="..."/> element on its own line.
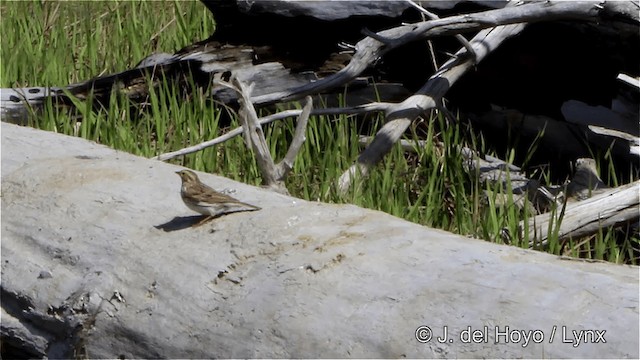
<point x="465" y="43"/>
<point x="635" y="82"/>
<point x="286" y="164"/>
<point x="361" y="109"/>
<point x="220" y="139"/>
<point x="373" y="35"/>
<point x="255" y="137"/>
<point x="154" y="36"/>
<point x="273" y="176"/>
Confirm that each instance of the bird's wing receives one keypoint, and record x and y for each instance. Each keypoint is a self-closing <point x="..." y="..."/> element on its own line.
<point x="213" y="197"/>
<point x="205" y="195"/>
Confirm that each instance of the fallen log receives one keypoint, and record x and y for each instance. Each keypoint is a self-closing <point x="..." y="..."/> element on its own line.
<point x="88" y="271"/>
<point x="609" y="208"/>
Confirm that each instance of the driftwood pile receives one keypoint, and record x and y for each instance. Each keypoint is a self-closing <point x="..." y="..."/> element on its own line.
<point x="253" y="60"/>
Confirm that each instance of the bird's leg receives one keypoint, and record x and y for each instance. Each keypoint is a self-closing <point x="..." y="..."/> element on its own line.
<point x="204" y="220"/>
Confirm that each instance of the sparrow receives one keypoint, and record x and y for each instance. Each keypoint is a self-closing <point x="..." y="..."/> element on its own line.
<point x="206" y="201"/>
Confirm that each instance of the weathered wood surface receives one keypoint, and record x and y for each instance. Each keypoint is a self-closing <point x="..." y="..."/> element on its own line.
<point x="203" y="66"/>
<point x="88" y="271"/>
<point x="611" y="207"/>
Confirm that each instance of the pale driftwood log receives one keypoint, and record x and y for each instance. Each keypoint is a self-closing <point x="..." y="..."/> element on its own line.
<point x="13" y="102"/>
<point x="211" y="63"/>
<point x="369" y="49"/>
<point x="634" y="141"/>
<point x="585" y="184"/>
<point x="338" y="10"/>
<point x="87" y="269"/>
<point x="610" y="208"/>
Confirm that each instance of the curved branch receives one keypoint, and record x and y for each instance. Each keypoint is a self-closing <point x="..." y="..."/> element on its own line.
<point x="368" y="50"/>
<point x="403" y="114"/>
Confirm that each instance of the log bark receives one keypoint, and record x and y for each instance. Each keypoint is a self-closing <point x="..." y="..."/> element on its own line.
<point x="88" y="271"/>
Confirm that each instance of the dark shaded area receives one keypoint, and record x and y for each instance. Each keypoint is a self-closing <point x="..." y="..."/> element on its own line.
<point x="11" y="350"/>
<point x="304" y="43"/>
<point x="60" y="333"/>
<point x="180" y="223"/>
<point x="548" y="64"/>
<point x="535" y="72"/>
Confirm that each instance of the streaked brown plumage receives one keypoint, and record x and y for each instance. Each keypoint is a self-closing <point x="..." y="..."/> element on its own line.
<point x="206" y="201"/>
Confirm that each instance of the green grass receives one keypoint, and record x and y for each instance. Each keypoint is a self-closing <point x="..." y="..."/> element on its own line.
<point x="56" y="43"/>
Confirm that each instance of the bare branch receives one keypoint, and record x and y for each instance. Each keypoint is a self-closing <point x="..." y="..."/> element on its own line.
<point x="635" y="82"/>
<point x="368" y="50"/>
<point x="463" y="41"/>
<point x="273" y="176"/>
<point x="361" y="109"/>
<point x="404" y="113"/>
<point x="220" y="139"/>
<point x="381" y="39"/>
<point x="286" y="164"/>
<point x="255" y="137"/>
